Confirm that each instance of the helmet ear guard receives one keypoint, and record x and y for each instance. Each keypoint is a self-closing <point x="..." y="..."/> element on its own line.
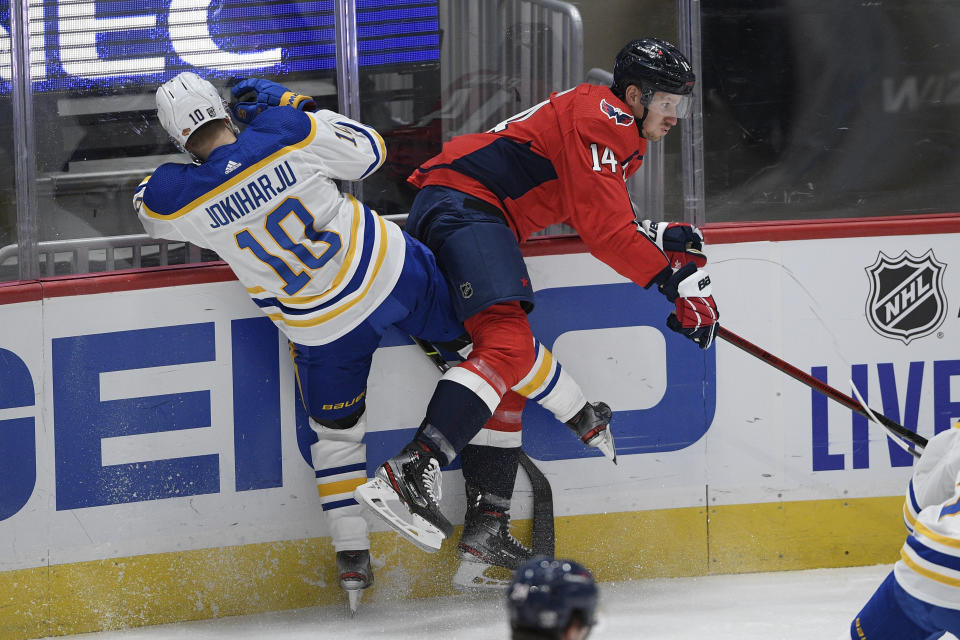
<point x="186" y="103"/>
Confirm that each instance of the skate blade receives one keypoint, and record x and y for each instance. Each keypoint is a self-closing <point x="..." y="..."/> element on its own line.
<point x="604" y="442"/>
<point x="480" y="577"/>
<point x="353" y="597"/>
<point x="376" y="494"/>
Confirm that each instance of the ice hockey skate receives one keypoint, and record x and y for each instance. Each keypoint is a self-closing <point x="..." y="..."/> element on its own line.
<point x="488" y="552"/>
<point x="592" y="425"/>
<point x="355" y="574"/>
<point x="410" y="480"/>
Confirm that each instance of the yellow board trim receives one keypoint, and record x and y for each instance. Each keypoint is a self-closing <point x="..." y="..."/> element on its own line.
<point x="240" y="177"/>
<point x="788" y="536"/>
<point x="341" y="486"/>
<point x="255" y="578"/>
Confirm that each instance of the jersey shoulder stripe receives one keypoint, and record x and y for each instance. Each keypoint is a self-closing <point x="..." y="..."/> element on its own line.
<point x="376" y="144"/>
<point x="165" y="198"/>
<point x="508" y="168"/>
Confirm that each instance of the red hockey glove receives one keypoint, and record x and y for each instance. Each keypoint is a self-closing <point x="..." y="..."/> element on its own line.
<point x="696" y="313"/>
<point x="681" y="242"/>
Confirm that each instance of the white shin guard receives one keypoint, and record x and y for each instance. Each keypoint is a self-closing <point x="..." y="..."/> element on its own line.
<point x="340" y="462"/>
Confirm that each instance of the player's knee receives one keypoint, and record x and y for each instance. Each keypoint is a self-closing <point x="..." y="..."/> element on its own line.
<point x="344" y="422"/>
<point x="503" y="340"/>
<point x="349" y="428"/>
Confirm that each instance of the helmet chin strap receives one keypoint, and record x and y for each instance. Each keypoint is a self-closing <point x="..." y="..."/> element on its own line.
<point x="639" y="121"/>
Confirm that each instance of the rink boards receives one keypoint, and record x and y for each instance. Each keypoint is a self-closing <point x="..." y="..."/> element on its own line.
<point x="152" y="451"/>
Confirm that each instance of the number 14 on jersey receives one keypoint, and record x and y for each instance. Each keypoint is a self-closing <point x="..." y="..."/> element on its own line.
<point x="606" y="158"/>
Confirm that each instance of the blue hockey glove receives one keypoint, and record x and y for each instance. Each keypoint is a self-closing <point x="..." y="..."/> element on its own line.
<point x="696" y="312"/>
<point x="681" y="242"/>
<point x="255" y="95"/>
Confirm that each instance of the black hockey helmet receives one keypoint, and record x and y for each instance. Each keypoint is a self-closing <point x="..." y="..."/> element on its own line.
<point x="545" y="595"/>
<point x="652" y="65"/>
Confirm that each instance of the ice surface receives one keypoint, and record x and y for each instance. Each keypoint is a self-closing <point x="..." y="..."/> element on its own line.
<point x="798" y="605"/>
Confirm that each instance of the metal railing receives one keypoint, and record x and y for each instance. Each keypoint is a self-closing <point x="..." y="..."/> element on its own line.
<point x="83" y="255"/>
<point x="509" y="54"/>
<point x="512" y="55"/>
<point x="110" y="253"/>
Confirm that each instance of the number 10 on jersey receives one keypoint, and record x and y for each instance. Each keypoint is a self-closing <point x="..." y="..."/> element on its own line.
<point x="288" y="255"/>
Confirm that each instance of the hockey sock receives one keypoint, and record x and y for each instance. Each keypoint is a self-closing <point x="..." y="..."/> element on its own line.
<point x="551" y="387"/>
<point x="455" y="414"/>
<point x="435" y="443"/>
<point x="492" y="470"/>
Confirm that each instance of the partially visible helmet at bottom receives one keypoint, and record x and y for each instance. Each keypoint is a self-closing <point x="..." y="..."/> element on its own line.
<point x="545" y="595"/>
<point x="186" y="103"/>
<point x="653" y="65"/>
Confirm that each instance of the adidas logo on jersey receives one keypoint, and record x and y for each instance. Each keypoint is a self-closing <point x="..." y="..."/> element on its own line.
<point x="231" y="166"/>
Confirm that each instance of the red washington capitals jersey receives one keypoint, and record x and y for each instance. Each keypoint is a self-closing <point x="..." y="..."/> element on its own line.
<point x="564" y="160"/>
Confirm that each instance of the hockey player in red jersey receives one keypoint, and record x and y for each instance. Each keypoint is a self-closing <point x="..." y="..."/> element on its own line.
<point x="325" y="268"/>
<point x="564" y="160"/>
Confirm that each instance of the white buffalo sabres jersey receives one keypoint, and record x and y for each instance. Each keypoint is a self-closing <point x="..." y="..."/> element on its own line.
<point x="317" y="262"/>
<point x="929" y="565"/>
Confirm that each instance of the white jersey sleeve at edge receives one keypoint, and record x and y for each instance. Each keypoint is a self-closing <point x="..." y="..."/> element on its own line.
<point x="930" y="557"/>
<point x="158" y="228"/>
<point x="936" y="471"/>
<point x="350" y="150"/>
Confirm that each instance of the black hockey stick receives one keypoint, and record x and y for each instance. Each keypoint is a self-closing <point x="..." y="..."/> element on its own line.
<point x="544" y="535"/>
<point x="897" y="430"/>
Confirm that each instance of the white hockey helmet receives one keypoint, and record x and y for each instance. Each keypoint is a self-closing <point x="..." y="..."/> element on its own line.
<point x="186" y="103"/>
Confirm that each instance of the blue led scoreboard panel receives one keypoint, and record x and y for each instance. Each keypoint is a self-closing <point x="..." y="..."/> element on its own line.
<point x="105" y="45"/>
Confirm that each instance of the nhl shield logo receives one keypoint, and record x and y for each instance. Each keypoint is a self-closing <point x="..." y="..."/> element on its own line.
<point x="906" y="298"/>
<point x="466" y="290"/>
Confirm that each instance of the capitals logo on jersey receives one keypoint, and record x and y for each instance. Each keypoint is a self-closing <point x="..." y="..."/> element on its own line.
<point x="615" y="113"/>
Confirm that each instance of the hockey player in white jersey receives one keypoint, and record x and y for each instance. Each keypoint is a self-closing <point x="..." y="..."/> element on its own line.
<point x="329" y="272"/>
<point x="920" y="598"/>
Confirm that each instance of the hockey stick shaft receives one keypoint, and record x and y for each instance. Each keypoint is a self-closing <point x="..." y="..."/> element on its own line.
<point x="896" y="429"/>
<point x="433" y="353"/>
